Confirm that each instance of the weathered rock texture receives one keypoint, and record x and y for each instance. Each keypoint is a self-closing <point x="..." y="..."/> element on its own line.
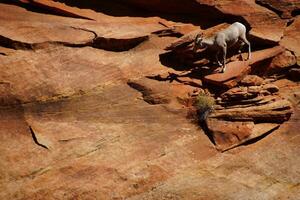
<point x="252" y="80"/>
<point x="92" y="106"/>
<point x="286" y="9"/>
<point x="235" y="71"/>
<point x="265" y="23"/>
<point x="291" y="38"/>
<point x="245" y="113"/>
<point x="282" y="62"/>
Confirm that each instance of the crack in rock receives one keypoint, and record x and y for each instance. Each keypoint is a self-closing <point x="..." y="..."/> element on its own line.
<point x="269" y="7"/>
<point x="99" y="42"/>
<point x="113" y="44"/>
<point x="35" y="139"/>
<point x="37" y="172"/>
<point x="100" y="144"/>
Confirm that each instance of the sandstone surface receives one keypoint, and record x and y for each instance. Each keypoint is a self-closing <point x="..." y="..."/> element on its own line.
<point x="266" y="25"/>
<point x="251" y="80"/>
<point x="91" y="106"/>
<point x="291" y="38"/>
<point x="236" y="71"/>
<point x="282" y="62"/>
<point x="286" y="9"/>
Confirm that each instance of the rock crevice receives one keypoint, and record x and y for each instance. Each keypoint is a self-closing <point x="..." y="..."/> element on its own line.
<point x="36" y="140"/>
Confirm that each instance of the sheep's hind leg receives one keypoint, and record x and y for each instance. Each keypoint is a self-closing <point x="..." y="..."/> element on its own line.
<point x="224" y="58"/>
<point x="243" y="38"/>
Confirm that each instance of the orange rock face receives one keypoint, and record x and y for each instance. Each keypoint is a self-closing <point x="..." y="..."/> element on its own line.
<point x="97" y="102"/>
<point x="251" y="80"/>
<point x="265" y="24"/>
<point x="235" y="71"/>
<point x="286" y="9"/>
<point x="282" y="62"/>
<point x="291" y="38"/>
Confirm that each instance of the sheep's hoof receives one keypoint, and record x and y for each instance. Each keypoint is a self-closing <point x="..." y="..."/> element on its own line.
<point x="223" y="69"/>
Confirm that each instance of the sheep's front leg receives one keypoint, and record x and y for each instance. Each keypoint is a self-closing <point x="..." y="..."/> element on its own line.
<point x="217" y="58"/>
<point x="249" y="51"/>
<point x="224" y="58"/>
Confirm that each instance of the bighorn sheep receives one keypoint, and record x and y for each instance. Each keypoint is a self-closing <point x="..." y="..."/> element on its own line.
<point x="223" y="40"/>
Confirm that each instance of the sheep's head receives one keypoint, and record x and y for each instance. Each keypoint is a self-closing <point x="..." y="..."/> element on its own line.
<point x="198" y="42"/>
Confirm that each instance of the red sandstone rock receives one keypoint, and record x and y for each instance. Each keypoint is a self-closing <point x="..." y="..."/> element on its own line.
<point x="227" y="134"/>
<point x="261" y="55"/>
<point x="270" y="88"/>
<point x="236" y="70"/>
<point x="158" y="92"/>
<point x="239" y="93"/>
<point x="266" y="25"/>
<point x="275" y="111"/>
<point x="60" y="8"/>
<point x="243" y="93"/>
<point x="110" y="33"/>
<point x="291" y="39"/>
<point x="65" y="10"/>
<point x="281" y="62"/>
<point x="240" y="108"/>
<point x="251" y="80"/>
<point x="94" y="137"/>
<point x="283" y="8"/>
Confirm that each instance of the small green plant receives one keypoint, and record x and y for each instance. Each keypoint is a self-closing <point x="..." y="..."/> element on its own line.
<point x="204" y="104"/>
